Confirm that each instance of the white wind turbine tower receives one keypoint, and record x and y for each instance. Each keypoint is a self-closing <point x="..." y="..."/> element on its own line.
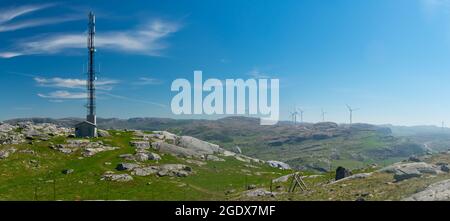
<point x="294" y="116"/>
<point x="301" y="114"/>
<point x="350" y="109"/>
<point x="323" y="115"/>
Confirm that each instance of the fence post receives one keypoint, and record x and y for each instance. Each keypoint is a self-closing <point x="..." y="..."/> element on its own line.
<point x="35" y="193"/>
<point x="54" y="188"/>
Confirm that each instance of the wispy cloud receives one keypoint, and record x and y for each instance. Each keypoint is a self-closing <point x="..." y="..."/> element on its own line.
<point x="37" y="22"/>
<point x="8" y="14"/>
<point x="73" y="83"/>
<point x="69" y="83"/>
<point x="146" y="39"/>
<point x="8" y="17"/>
<point x="148" y="81"/>
<point x="64" y="95"/>
<point x="255" y="73"/>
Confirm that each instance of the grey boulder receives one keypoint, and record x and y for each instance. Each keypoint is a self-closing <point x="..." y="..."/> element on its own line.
<point x="117" y="177"/>
<point x="126" y="166"/>
<point x="279" y="165"/>
<point x="439" y="191"/>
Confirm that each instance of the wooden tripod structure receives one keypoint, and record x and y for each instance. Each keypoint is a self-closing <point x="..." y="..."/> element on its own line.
<point x="297" y="181"/>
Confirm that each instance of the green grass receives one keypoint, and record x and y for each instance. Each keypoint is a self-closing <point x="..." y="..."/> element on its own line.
<point x="21" y="179"/>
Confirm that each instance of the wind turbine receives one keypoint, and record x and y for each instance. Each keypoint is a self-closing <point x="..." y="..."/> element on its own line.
<point x="350" y="109"/>
<point x="301" y="114"/>
<point x="294" y="116"/>
<point x="323" y="115"/>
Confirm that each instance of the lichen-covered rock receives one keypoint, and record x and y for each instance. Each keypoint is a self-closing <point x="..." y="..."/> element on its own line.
<point x="141" y="157"/>
<point x="259" y="193"/>
<point x="16" y="134"/>
<point x="213" y="158"/>
<point x="140" y="144"/>
<point x="127" y="166"/>
<point x="127" y="156"/>
<point x="92" y="151"/>
<point x="278" y="164"/>
<point x="435" y="192"/>
<point x="67" y="171"/>
<point x="6" y="153"/>
<point x="174" y="150"/>
<point x="199" y="146"/>
<point x="153" y="156"/>
<point x="355" y="177"/>
<point x="117" y="177"/>
<point x="179" y="170"/>
<point x="145" y="171"/>
<point x="237" y="150"/>
<point x="404" y="171"/>
<point x="103" y="133"/>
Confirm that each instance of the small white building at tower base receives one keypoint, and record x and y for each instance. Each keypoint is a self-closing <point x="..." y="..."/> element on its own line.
<point x="86" y="129"/>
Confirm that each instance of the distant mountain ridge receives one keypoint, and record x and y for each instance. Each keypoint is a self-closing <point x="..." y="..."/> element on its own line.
<point x="417" y="130"/>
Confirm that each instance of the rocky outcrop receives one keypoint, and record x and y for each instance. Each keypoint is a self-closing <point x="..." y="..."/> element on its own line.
<point x="179" y="170"/>
<point x="414" y="159"/>
<point x="174" y="150"/>
<point x="404" y="171"/>
<point x="127" y="166"/>
<point x="20" y="132"/>
<point x="110" y="176"/>
<point x="354" y="177"/>
<point x="186" y="147"/>
<point x="6" y="153"/>
<point x="140" y="144"/>
<point x="435" y="192"/>
<point x="199" y="146"/>
<point x="237" y="150"/>
<point x="166" y="136"/>
<point x="213" y="158"/>
<point x="103" y="133"/>
<point x="153" y="156"/>
<point x="278" y="164"/>
<point x="145" y="171"/>
<point x="259" y="193"/>
<point x="67" y="171"/>
<point x="141" y="156"/>
<point x="87" y="147"/>
<point x="173" y="170"/>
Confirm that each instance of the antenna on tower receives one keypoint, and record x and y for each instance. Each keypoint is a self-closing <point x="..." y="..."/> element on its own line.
<point x="350" y="109"/>
<point x="91" y="70"/>
<point x="88" y="128"/>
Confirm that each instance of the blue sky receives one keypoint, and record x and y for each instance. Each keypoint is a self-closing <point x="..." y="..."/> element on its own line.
<point x="390" y="58"/>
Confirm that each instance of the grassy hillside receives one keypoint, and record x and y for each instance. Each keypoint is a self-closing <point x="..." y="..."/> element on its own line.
<point x="377" y="186"/>
<point x="38" y="175"/>
<point x="318" y="147"/>
<point x="35" y="172"/>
